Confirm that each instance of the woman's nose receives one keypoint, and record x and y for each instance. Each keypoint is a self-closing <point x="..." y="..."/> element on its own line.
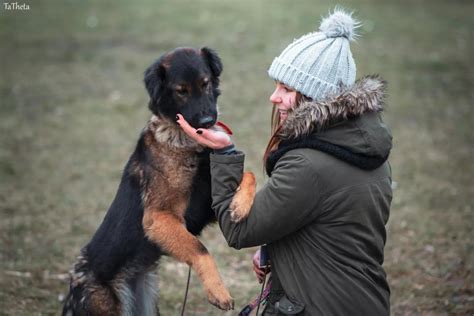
<point x="275" y="98"/>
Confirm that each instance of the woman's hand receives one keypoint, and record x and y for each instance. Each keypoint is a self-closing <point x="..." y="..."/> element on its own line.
<point x="260" y="272"/>
<point x="206" y="137"/>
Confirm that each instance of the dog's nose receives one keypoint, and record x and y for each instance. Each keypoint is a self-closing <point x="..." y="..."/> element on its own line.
<point x="206" y="121"/>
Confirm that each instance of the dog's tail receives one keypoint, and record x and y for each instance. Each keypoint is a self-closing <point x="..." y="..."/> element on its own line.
<point x="78" y="298"/>
<point x="75" y="303"/>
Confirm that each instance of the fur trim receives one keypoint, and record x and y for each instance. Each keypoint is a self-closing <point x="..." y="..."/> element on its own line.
<point x="366" y="95"/>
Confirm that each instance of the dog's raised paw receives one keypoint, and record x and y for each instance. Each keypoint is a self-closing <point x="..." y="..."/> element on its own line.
<point x="239" y="211"/>
<point x="221" y="300"/>
<point x="243" y="199"/>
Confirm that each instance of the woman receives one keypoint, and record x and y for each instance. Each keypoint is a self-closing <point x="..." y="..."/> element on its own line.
<point x="323" y="211"/>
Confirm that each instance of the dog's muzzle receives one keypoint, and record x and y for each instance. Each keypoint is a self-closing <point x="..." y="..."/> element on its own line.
<point x="206" y="121"/>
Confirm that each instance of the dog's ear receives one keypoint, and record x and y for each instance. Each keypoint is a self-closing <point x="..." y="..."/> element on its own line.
<point x="154" y="77"/>
<point x="213" y="60"/>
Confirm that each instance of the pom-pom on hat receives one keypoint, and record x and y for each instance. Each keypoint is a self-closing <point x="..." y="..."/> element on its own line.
<point x="319" y="64"/>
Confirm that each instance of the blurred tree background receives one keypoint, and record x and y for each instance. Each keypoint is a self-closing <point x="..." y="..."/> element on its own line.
<point x="72" y="104"/>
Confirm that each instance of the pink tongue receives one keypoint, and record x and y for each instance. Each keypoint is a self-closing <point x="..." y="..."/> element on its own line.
<point x="225" y="127"/>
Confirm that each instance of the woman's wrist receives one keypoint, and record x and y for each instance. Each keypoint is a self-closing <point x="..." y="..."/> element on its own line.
<point x="227" y="150"/>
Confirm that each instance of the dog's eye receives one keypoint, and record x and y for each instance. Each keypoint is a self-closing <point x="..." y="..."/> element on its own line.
<point x="205" y="83"/>
<point x="182" y="92"/>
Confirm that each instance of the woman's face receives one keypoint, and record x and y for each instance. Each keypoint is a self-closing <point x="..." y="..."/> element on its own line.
<point x="284" y="98"/>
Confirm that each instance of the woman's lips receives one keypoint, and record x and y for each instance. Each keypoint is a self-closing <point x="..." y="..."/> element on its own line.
<point x="283" y="114"/>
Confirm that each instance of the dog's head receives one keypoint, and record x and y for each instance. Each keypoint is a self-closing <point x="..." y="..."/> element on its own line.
<point x="185" y="81"/>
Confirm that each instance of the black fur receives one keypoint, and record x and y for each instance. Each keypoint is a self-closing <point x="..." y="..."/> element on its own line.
<point x="188" y="71"/>
<point x="120" y="244"/>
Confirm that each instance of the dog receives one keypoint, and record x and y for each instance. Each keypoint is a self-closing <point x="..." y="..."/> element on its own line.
<point x="163" y="201"/>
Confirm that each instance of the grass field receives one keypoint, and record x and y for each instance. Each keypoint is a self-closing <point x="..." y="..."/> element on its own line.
<point x="72" y="105"/>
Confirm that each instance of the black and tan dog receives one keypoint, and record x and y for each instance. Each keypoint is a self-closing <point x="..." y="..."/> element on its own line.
<point x="162" y="202"/>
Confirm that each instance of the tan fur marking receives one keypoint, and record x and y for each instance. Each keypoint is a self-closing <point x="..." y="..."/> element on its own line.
<point x="168" y="132"/>
<point x="243" y="199"/>
<point x="167" y="230"/>
<point x="168" y="178"/>
<point x="217" y="294"/>
<point x="103" y="302"/>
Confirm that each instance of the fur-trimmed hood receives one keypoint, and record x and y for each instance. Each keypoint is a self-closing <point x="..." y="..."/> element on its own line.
<point x="366" y="95"/>
<point x="347" y="126"/>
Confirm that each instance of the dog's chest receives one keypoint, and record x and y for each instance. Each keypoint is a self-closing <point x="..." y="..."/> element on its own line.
<point x="179" y="169"/>
<point x="170" y="168"/>
<point x="169" y="181"/>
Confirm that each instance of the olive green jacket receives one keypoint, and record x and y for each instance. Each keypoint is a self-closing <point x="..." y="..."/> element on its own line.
<point x="322" y="216"/>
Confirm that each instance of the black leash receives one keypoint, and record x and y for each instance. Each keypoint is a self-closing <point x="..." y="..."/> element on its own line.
<point x="261" y="291"/>
<point x="186" y="292"/>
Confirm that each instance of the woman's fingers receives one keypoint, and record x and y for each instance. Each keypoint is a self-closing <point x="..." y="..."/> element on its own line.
<point x="256" y="258"/>
<point x="218" y="138"/>
<point x="192" y="132"/>
<point x="260" y="273"/>
<point x="188" y="129"/>
<point x="209" y="138"/>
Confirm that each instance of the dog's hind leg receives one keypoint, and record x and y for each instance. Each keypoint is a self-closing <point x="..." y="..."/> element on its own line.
<point x="168" y="231"/>
<point x="146" y="293"/>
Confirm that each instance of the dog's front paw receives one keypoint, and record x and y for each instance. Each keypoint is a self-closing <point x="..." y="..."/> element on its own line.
<point x="243" y="199"/>
<point x="239" y="208"/>
<point x="221" y="299"/>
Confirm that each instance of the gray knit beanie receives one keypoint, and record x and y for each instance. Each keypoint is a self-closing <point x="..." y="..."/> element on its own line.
<point x="319" y="64"/>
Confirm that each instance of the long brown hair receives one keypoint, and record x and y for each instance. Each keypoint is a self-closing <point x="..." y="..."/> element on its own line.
<point x="276" y="127"/>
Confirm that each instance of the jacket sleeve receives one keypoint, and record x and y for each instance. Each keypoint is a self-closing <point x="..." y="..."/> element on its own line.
<point x="286" y="203"/>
